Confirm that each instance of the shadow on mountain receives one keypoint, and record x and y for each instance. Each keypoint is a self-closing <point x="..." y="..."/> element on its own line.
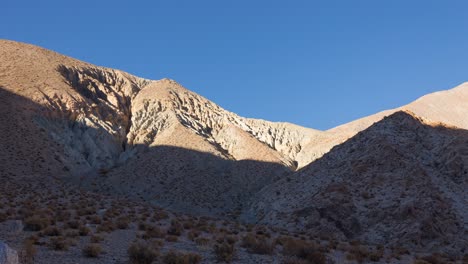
<point x="27" y="150"/>
<point x="400" y="182"/>
<point x="42" y="141"/>
<point x="187" y="180"/>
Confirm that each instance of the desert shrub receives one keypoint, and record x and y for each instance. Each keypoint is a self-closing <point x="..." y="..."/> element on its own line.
<point x="122" y="222"/>
<point x="358" y="253"/>
<point x="28" y="252"/>
<point x="304" y="250"/>
<point x="51" y="231"/>
<point x="72" y="233"/>
<point x="224" y="252"/>
<point x="59" y="243"/>
<point x="160" y="215"/>
<point x="188" y="225"/>
<point x="231" y="239"/>
<point x="96" y="238"/>
<point x="174" y="257"/>
<point x="142" y="253"/>
<point x="36" y="223"/>
<point x="432" y="259"/>
<point x="175" y="229"/>
<point x="420" y="261"/>
<point x="192" y="235"/>
<point x="95" y="219"/>
<point x="153" y="232"/>
<point x="106" y="226"/>
<point x="172" y="238"/>
<point x="83" y="230"/>
<point x="3" y="217"/>
<point x="202" y="241"/>
<point x="142" y="226"/>
<point x="73" y="224"/>
<point x="294" y="260"/>
<point x="257" y="245"/>
<point x="92" y="250"/>
<point x="376" y="255"/>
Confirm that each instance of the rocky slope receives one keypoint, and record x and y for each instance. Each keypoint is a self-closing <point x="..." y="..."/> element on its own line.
<point x="396" y="180"/>
<point x="101" y="121"/>
<point x="402" y="181"/>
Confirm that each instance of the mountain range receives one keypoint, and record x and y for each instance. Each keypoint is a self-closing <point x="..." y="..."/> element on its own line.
<point x="398" y="177"/>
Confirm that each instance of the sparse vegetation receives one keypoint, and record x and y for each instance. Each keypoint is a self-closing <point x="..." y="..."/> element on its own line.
<point x="92" y="250"/>
<point x="142" y="253"/>
<point x="257" y="245"/>
<point x="174" y="257"/>
<point x="59" y="243"/>
<point x="224" y="252"/>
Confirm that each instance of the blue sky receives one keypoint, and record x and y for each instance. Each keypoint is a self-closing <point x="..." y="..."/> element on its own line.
<point x="315" y="63"/>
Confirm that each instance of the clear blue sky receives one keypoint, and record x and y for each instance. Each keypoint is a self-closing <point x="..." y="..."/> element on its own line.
<point x="315" y="63"/>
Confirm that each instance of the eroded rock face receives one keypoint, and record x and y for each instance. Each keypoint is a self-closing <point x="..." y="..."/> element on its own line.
<point x="7" y="254"/>
<point x="115" y="111"/>
<point x="93" y="127"/>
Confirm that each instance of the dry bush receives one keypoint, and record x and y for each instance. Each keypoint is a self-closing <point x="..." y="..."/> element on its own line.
<point x="122" y="222"/>
<point x="160" y="215"/>
<point x="153" y="232"/>
<point x="51" y="231"/>
<point x="3" y="217"/>
<point x="59" y="243"/>
<point x="84" y="231"/>
<point x="72" y="233"/>
<point x="92" y="250"/>
<point x="95" y="219"/>
<point x="106" y="226"/>
<point x="358" y="253"/>
<point x="420" y="261"/>
<point x="142" y="253"/>
<point x="73" y="224"/>
<point x="174" y="257"/>
<point x="202" y="241"/>
<point x="433" y="259"/>
<point x="257" y="245"/>
<point x="294" y="260"/>
<point x="36" y="223"/>
<point x="231" y="239"/>
<point x="224" y="252"/>
<point x="376" y="255"/>
<point x="172" y="238"/>
<point x="28" y="252"/>
<point x="96" y="238"/>
<point x="304" y="250"/>
<point x="176" y="228"/>
<point x="192" y="235"/>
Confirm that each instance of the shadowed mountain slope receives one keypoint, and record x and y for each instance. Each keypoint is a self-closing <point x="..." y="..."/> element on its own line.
<point x="395" y="180"/>
<point x="402" y="181"/>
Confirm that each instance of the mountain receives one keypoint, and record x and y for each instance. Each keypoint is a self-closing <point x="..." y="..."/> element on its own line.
<point x="101" y="121"/>
<point x="397" y="178"/>
<point x="401" y="182"/>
